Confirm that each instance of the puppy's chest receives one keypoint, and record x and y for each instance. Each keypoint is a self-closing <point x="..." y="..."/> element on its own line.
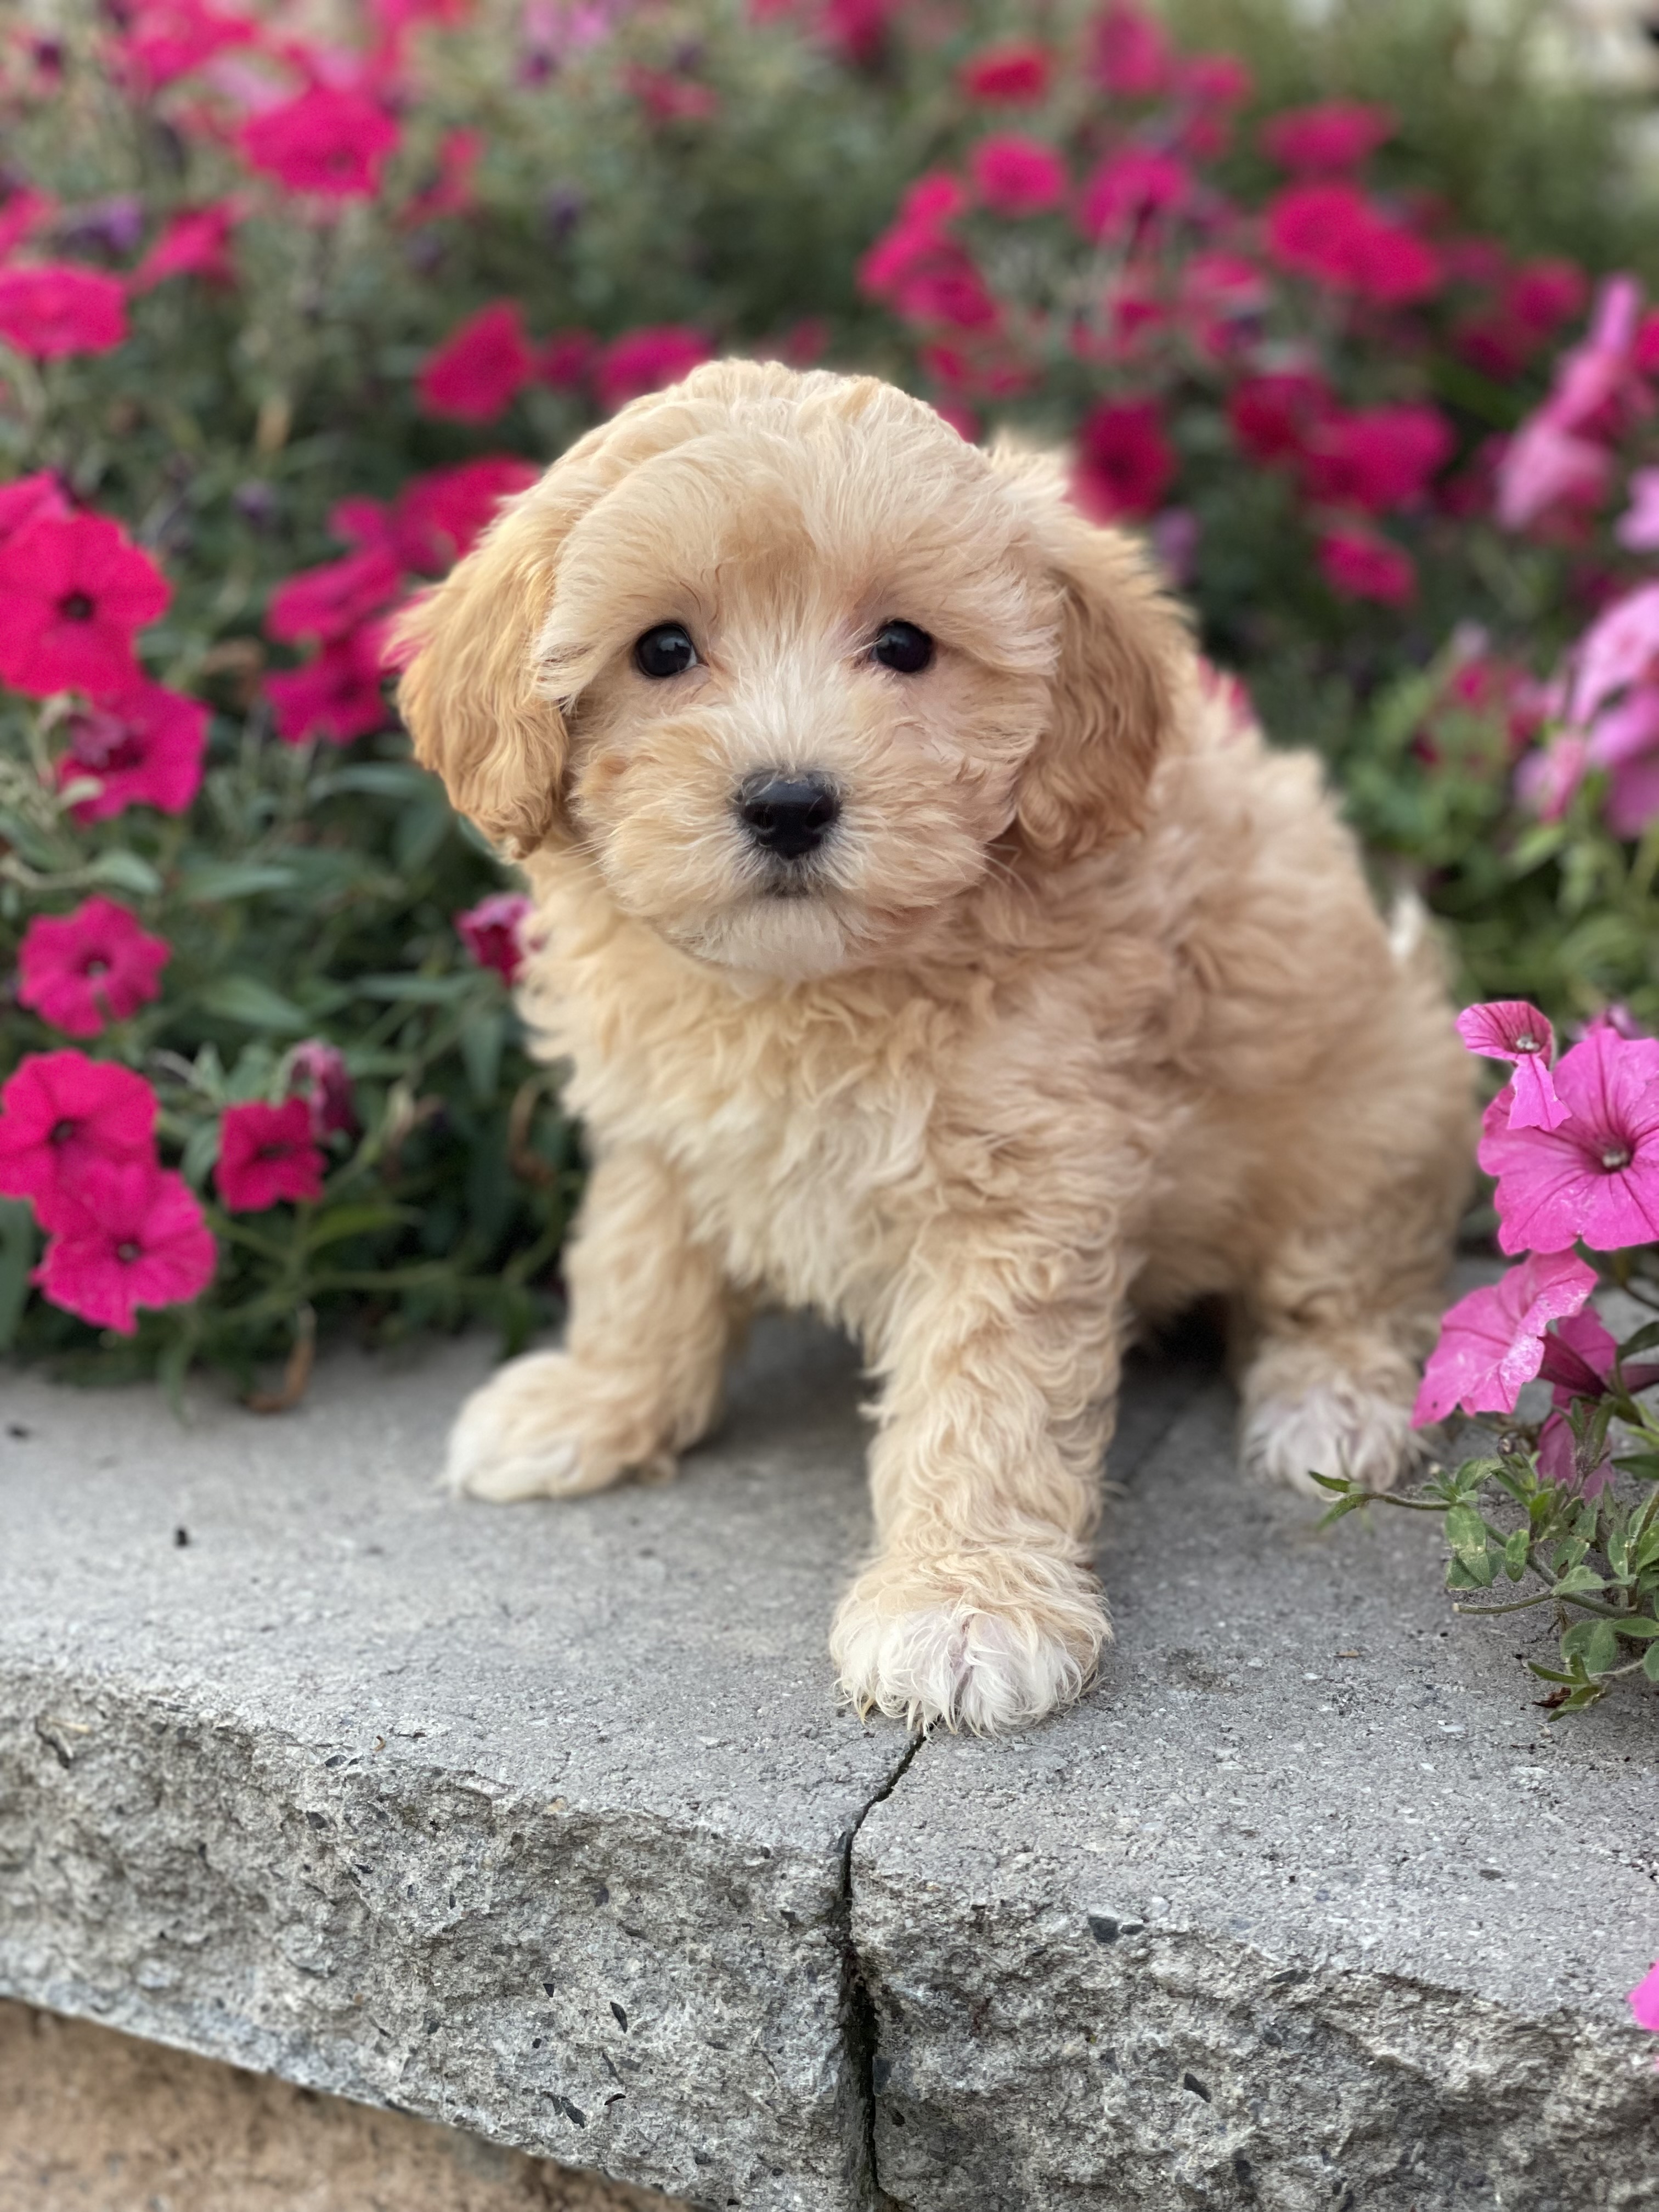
<point x="804" y="1155"/>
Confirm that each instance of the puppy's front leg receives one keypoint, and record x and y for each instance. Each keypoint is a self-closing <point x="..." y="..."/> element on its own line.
<point x="980" y="1609"/>
<point x="640" y="1375"/>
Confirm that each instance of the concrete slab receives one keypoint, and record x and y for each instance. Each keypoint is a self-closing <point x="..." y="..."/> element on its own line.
<point x="1306" y="1909"/>
<point x="532" y="1820"/>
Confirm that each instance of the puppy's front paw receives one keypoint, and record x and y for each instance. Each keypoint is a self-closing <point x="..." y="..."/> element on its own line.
<point x="926" y="1645"/>
<point x="540" y="1428"/>
<point x="1337" y="1428"/>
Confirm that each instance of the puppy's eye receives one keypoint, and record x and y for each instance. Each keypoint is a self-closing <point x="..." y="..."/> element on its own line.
<point x="667" y="650"/>
<point x="902" y="646"/>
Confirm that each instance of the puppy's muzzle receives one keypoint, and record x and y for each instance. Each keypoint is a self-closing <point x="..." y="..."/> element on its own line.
<point x="787" y="816"/>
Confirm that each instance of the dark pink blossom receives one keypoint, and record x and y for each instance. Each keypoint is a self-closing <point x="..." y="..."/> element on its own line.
<point x="1332" y="232"/>
<point x="79" y="971"/>
<point x="1277" y="417"/>
<point x="492" y="932"/>
<point x="1339" y="134"/>
<point x="646" y="360"/>
<point x="1016" y="176"/>
<point x="61" y="1110"/>
<point x="480" y="368"/>
<point x="141" y="747"/>
<point x="1512" y="1030"/>
<point x="73" y="590"/>
<point x="22" y="214"/>
<point x="317" y="1072"/>
<point x="135" y="1237"/>
<point x="451" y="191"/>
<point x="1381" y="458"/>
<point x="331" y="601"/>
<point x="1359" y="564"/>
<point x="1130" y="187"/>
<point x="1492" y="1342"/>
<point x="53" y="308"/>
<point x="1125" y="462"/>
<point x="338" y="697"/>
<point x="166" y="38"/>
<point x="1132" y="56"/>
<point x="565" y="359"/>
<point x="441" y="515"/>
<point x="196" y="242"/>
<point x="1581" y="1360"/>
<point x="1597" y="1175"/>
<point x="1014" y="73"/>
<point x="328" y="142"/>
<point x="37" y="498"/>
<point x="267" y="1153"/>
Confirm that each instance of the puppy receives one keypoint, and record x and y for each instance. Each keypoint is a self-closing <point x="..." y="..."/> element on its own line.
<point x="931" y="945"/>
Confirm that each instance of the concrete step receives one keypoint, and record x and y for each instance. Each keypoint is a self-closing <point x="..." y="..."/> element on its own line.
<point x="542" y="1822"/>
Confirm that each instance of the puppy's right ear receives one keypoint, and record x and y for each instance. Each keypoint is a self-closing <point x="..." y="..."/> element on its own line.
<point x="470" y="691"/>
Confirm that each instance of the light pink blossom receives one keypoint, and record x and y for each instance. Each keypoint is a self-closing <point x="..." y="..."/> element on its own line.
<point x="1492" y="1342"/>
<point x="1644" y="2001"/>
<point x="1637" y="527"/>
<point x="1510" y="1030"/>
<point x="1597" y="1175"/>
<point x="1620" y="647"/>
<point x="1543" y="466"/>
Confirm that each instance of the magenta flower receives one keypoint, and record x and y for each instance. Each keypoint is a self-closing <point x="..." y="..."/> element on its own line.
<point x="331" y="601"/>
<point x="1597" y="1175"/>
<point x="1644" y="2001"/>
<point x="317" y="1072"/>
<point x="645" y="361"/>
<point x="1510" y="1030"/>
<point x="79" y="971"/>
<point x="1331" y="232"/>
<point x="1492" y="1342"/>
<point x="37" y="498"/>
<point x="60" y="1110"/>
<point x="1129" y="188"/>
<point x="55" y="308"/>
<point x="1125" y="462"/>
<point x="1580" y="1359"/>
<point x="134" y="1236"/>
<point x="331" y="143"/>
<point x="1015" y="73"/>
<point x="492" y="932"/>
<point x="73" y="591"/>
<point x="195" y="243"/>
<point x="1380" y="459"/>
<point x="338" y="697"/>
<point x="142" y="747"/>
<point x="267" y="1153"/>
<point x="1359" y="564"/>
<point x="441" y="515"/>
<point x="480" y="368"/>
<point x="1337" y="134"/>
<point x="166" y="39"/>
<point x="1015" y="175"/>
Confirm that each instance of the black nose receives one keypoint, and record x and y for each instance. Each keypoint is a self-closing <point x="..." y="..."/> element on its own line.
<point x="788" y="815"/>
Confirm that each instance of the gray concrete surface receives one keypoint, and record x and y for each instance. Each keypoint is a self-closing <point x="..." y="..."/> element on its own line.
<point x="537" y="1821"/>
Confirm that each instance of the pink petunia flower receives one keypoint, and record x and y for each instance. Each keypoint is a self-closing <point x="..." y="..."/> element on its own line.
<point x="80" y="970"/>
<point x="22" y="213"/>
<point x="1548" y="778"/>
<point x="1542" y="467"/>
<point x="338" y="697"/>
<point x="565" y="359"/>
<point x="1637" y="527"/>
<point x="480" y="368"/>
<point x="267" y="1153"/>
<point x="1380" y="459"/>
<point x="1132" y="56"/>
<point x="451" y="189"/>
<point x="492" y="932"/>
<point x="142" y="747"/>
<point x="333" y="142"/>
<point x="1014" y="73"/>
<point x="1580" y="1359"/>
<point x="134" y="1237"/>
<point x="1016" y="176"/>
<point x="1277" y="417"/>
<point x="442" y="515"/>
<point x="645" y="361"/>
<point x="1597" y="1175"/>
<point x="37" y="498"/>
<point x="166" y="38"/>
<point x="73" y="590"/>
<point x="1492" y="1342"/>
<point x="58" y="1111"/>
<point x="1510" y="1030"/>
<point x="317" y="1072"/>
<point x="196" y="242"/>
<point x="1339" y="134"/>
<point x="54" y="308"/>
<point x="331" y="601"/>
<point x="1644" y="2001"/>
<point x="1129" y="188"/>
<point x="1358" y="564"/>
<point x="1125" y="462"/>
<point x="1620" y="647"/>
<point x="1332" y="232"/>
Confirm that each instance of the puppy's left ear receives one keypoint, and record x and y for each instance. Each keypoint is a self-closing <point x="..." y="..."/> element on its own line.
<point x="1125" y="655"/>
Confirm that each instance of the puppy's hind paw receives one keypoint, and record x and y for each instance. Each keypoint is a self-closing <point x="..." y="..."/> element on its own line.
<point x="536" y="1430"/>
<point x="965" y="1664"/>
<point x="1335" y="1428"/>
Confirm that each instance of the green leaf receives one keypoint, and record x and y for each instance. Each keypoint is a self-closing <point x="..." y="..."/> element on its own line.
<point x="483" y="1033"/>
<point x="16" y="1258"/>
<point x="245" y="999"/>
<point x="1640" y="1626"/>
<point x="1601" y="1648"/>
<point x="206" y="883"/>
<point x="1465" y="1530"/>
<point x="1644" y="1340"/>
<point x="355" y="1221"/>
<point x="1650" y="1664"/>
<point x="125" y="872"/>
<point x="1515" y="1554"/>
<point x="418" y="990"/>
<point x="1578" y="1579"/>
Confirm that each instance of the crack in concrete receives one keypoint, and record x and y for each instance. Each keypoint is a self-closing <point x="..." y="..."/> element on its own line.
<point x="857" y="2021"/>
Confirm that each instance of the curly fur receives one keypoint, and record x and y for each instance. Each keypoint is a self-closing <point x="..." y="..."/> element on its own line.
<point x="1085" y="1012"/>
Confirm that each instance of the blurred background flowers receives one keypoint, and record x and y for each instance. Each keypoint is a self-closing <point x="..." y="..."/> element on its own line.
<point x="1354" y="310"/>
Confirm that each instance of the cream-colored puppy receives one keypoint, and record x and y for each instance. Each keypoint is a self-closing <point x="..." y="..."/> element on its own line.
<point x="933" y="947"/>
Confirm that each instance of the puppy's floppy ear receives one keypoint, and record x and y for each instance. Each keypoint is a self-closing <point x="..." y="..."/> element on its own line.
<point x="1124" y="655"/>
<point x="469" y="689"/>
